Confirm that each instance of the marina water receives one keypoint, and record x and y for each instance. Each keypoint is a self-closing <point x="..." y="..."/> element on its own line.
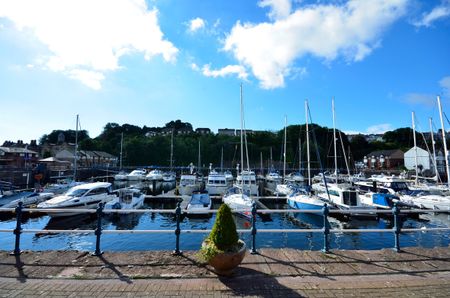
<point x="192" y="241"/>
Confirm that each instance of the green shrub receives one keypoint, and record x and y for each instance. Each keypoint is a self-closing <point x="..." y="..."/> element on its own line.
<point x="224" y="234"/>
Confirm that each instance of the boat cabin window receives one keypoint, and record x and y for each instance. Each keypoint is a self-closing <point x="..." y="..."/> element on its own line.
<point x="127" y="198"/>
<point x="350" y="198"/>
<point x="97" y="191"/>
<point x="399" y="186"/>
<point x="76" y="192"/>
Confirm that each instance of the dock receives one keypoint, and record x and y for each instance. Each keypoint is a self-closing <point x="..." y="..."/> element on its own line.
<point x="418" y="272"/>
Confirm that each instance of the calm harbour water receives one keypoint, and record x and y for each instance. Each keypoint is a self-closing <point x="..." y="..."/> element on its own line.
<point x="190" y="241"/>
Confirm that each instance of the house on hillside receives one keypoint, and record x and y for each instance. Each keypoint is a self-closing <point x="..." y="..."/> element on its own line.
<point x="424" y="159"/>
<point x="384" y="159"/>
<point x="18" y="157"/>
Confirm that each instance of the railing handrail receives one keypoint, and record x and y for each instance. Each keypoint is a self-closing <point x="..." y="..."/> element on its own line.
<point x="326" y="230"/>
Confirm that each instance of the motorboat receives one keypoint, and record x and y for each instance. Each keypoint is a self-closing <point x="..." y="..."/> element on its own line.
<point x="61" y="186"/>
<point x="246" y="181"/>
<point x="286" y="189"/>
<point x="154" y="175"/>
<point x="121" y="176"/>
<point x="273" y="179"/>
<point x="295" y="178"/>
<point x="169" y="177"/>
<point x="217" y="183"/>
<point x="126" y="199"/>
<point x="199" y="204"/>
<point x="188" y="184"/>
<point x="305" y="201"/>
<point x="344" y="197"/>
<point x="238" y="201"/>
<point x="85" y="196"/>
<point x="137" y="174"/>
<point x="28" y="199"/>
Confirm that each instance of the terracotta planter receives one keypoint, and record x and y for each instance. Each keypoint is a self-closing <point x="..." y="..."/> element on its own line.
<point x="225" y="263"/>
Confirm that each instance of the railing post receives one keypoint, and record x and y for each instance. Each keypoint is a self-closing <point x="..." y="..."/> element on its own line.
<point x="18" y="229"/>
<point x="397" y="227"/>
<point x="177" y="250"/>
<point x="253" y="250"/>
<point x="326" y="229"/>
<point x="98" y="230"/>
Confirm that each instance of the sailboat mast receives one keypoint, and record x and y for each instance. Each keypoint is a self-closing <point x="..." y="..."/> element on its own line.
<point x="262" y="166"/>
<point x="307" y="142"/>
<point x="199" y="157"/>
<point x="121" y="150"/>
<point x="75" y="156"/>
<point x="334" y="140"/>
<point x="299" y="154"/>
<point x="171" y="152"/>
<point x="242" y="134"/>
<point x="444" y="141"/>
<point x="221" y="161"/>
<point x="284" y="148"/>
<point x="415" y="148"/>
<point x="434" y="148"/>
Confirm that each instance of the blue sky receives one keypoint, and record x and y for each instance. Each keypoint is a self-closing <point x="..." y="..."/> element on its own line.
<point x="150" y="62"/>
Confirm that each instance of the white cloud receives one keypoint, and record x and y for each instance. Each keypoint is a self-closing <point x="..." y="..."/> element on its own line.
<point x="225" y="71"/>
<point x="279" y="9"/>
<point x="445" y="85"/>
<point x="437" y="13"/>
<point x="351" y="30"/>
<point x="379" y="128"/>
<point x="87" y="38"/>
<point x="91" y="79"/>
<point x="420" y="98"/>
<point x="196" y="24"/>
<point x="194" y="67"/>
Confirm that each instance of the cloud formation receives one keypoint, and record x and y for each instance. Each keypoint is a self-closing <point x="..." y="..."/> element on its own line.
<point x="439" y="12"/>
<point x="420" y="99"/>
<point x="351" y="30"/>
<point x="379" y="128"/>
<point x="445" y="85"/>
<point x="279" y="9"/>
<point x="196" y="24"/>
<point x="86" y="39"/>
<point x="225" y="71"/>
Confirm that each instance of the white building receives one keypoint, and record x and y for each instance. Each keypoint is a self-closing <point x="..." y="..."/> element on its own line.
<point x="424" y="159"/>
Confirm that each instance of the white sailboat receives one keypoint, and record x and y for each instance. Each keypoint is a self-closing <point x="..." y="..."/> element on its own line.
<point x="239" y="198"/>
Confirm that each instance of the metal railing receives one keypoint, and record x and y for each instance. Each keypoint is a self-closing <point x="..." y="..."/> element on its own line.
<point x="324" y="212"/>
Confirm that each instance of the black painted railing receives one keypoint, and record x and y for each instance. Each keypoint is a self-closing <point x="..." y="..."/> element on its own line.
<point x="324" y="212"/>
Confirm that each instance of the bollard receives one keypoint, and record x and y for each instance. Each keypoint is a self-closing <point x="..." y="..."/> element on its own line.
<point x="177" y="250"/>
<point x="253" y="250"/>
<point x="98" y="230"/>
<point x="18" y="229"/>
<point x="397" y="228"/>
<point x="326" y="229"/>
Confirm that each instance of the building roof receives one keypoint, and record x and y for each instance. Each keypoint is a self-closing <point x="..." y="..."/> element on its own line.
<point x="17" y="150"/>
<point x="394" y="153"/>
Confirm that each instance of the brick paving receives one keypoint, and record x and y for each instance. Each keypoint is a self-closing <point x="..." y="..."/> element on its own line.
<point x="416" y="272"/>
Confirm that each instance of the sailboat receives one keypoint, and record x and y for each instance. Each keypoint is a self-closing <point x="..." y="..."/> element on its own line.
<point x="343" y="195"/>
<point x="122" y="175"/>
<point x="170" y="177"/>
<point x="239" y="197"/>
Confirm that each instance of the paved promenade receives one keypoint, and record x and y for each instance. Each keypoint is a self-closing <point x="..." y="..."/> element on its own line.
<point x="415" y="272"/>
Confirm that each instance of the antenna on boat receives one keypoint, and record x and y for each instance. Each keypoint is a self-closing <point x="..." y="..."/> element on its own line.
<point x="444" y="141"/>
<point x="121" y="148"/>
<point x="334" y="140"/>
<point x="284" y="149"/>
<point x="307" y="143"/>
<point x="434" y="150"/>
<point x="415" y="148"/>
<point x="75" y="156"/>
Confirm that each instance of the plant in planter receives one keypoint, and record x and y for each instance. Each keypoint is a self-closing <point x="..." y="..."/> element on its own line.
<point x="223" y="249"/>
